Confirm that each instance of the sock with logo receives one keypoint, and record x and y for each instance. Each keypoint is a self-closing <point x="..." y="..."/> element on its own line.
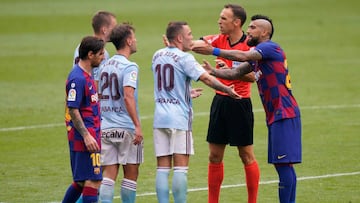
<point x="72" y="193"/>
<point x="106" y="191"/>
<point x="179" y="184"/>
<point x="252" y="174"/>
<point x="162" y="184"/>
<point x="128" y="191"/>
<point x="215" y="178"/>
<point x="90" y="195"/>
<point x="286" y="182"/>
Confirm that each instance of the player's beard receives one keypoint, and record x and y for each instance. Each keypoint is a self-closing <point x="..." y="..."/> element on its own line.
<point x="253" y="41"/>
<point x="95" y="64"/>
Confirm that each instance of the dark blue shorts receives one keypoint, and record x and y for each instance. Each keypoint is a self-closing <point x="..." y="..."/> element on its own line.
<point x="85" y="166"/>
<point x="284" y="145"/>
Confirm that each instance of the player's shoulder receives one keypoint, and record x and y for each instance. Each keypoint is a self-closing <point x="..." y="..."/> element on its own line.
<point x="76" y="74"/>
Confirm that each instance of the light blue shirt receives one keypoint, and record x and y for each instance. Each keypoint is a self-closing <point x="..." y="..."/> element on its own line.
<point x="115" y="74"/>
<point x="173" y="71"/>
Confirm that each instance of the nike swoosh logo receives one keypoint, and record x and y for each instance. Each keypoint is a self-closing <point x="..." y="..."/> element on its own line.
<point x="281" y="156"/>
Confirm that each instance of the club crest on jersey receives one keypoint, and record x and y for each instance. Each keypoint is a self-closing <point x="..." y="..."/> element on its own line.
<point x="97" y="170"/>
<point x="71" y="95"/>
<point x="94" y="98"/>
<point x="133" y="76"/>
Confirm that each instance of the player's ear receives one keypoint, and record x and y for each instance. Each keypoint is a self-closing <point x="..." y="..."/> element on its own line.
<point x="90" y="54"/>
<point x="129" y="41"/>
<point x="179" y="38"/>
<point x="237" y="22"/>
<point x="103" y="30"/>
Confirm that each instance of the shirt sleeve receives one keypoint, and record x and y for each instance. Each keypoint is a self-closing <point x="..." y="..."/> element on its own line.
<point x="265" y="49"/>
<point x="131" y="76"/>
<point x="192" y="68"/>
<point x="75" y="92"/>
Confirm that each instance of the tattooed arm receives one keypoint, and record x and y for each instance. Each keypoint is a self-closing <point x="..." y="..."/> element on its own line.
<point x="89" y="141"/>
<point x="229" y="74"/>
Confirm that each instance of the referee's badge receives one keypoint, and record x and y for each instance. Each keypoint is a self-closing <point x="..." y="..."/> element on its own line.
<point x="235" y="64"/>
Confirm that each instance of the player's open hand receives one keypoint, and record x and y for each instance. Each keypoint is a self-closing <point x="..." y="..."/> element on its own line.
<point x="207" y="66"/>
<point x="166" y="41"/>
<point x="196" y="92"/>
<point x="202" y="47"/>
<point x="232" y="93"/>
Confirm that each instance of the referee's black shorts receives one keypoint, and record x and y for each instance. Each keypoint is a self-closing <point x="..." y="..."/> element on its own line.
<point x="231" y="121"/>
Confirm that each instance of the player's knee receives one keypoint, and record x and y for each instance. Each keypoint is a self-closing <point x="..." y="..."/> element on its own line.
<point x="215" y="158"/>
<point x="80" y="184"/>
<point x="247" y="158"/>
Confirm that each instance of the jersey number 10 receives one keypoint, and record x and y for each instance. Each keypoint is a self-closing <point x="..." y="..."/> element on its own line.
<point x="165" y="77"/>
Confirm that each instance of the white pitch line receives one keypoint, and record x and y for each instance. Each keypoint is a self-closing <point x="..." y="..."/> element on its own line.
<point x="243" y="185"/>
<point x="344" y="106"/>
<point x="261" y="183"/>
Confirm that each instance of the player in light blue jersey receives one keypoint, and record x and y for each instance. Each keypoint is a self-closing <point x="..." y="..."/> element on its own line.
<point x="173" y="70"/>
<point x="121" y="138"/>
<point x="102" y="23"/>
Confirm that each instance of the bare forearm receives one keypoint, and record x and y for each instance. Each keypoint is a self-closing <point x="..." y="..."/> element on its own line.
<point x="232" y="74"/>
<point x="234" y="55"/>
<point x="130" y="104"/>
<point x="215" y="84"/>
<point x="77" y="121"/>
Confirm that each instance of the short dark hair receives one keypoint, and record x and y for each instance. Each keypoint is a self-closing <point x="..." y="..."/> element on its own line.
<point x="238" y="11"/>
<point x="120" y="34"/>
<point x="173" y="29"/>
<point x="90" y="43"/>
<point x="263" y="17"/>
<point x="100" y="19"/>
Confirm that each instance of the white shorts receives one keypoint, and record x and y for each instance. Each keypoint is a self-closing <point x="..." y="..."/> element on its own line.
<point x="117" y="148"/>
<point x="172" y="141"/>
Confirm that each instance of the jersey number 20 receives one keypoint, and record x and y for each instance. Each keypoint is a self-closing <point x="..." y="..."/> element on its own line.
<point x="111" y="82"/>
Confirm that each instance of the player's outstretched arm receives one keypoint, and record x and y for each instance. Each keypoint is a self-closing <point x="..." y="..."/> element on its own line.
<point x="212" y="82"/>
<point x="230" y="74"/>
<point x="205" y="48"/>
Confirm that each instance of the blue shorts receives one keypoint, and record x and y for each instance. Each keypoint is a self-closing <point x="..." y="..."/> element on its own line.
<point x="85" y="166"/>
<point x="284" y="145"/>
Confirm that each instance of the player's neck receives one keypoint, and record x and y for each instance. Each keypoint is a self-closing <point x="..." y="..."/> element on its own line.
<point x="100" y="36"/>
<point x="124" y="52"/>
<point x="176" y="45"/>
<point x="235" y="36"/>
<point x="85" y="66"/>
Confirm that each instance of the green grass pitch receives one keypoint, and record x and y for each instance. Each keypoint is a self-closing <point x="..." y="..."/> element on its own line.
<point x="321" y="39"/>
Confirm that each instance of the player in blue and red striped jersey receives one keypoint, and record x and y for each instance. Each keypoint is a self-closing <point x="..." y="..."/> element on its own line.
<point x="269" y="62"/>
<point x="83" y="123"/>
